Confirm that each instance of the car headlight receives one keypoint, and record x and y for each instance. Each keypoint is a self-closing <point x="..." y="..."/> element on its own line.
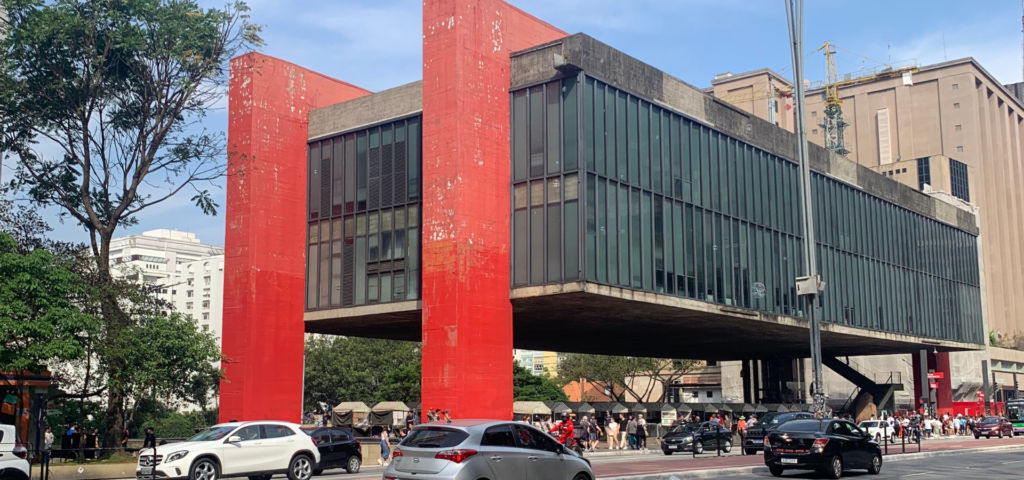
<point x="176" y="456"/>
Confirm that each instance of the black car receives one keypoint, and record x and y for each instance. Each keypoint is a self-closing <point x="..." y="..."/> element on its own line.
<point x="828" y="446"/>
<point x="765" y="426"/>
<point x="338" y="449"/>
<point x="695" y="437"/>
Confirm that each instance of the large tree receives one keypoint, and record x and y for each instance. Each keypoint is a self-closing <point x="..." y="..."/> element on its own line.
<point x="119" y="89"/>
<point x="609" y="372"/>
<point x="350" y="369"/>
<point x="536" y="388"/>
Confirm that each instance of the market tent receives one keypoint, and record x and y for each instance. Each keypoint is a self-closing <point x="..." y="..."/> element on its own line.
<point x="557" y="408"/>
<point x="747" y="408"/>
<point x="760" y="408"/>
<point x="801" y="407"/>
<point x="530" y="408"/>
<point x="710" y="408"/>
<point x="389" y="413"/>
<point x="614" y="408"/>
<point x="349" y="413"/>
<point x="776" y="407"/>
<point x="580" y="408"/>
<point x="683" y="409"/>
<point x="696" y="407"/>
<point x="725" y="408"/>
<point x="638" y="408"/>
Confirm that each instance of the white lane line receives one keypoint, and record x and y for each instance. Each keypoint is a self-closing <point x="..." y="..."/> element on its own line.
<point x="915" y="474"/>
<point x="1007" y="463"/>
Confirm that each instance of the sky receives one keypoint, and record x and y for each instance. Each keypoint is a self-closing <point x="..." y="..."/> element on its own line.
<point x="376" y="44"/>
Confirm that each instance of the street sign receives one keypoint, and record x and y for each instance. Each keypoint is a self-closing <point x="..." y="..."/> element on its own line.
<point x="936" y="376"/>
<point x="933" y="385"/>
<point x="981" y="396"/>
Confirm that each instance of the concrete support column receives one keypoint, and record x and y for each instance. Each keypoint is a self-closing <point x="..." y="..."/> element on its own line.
<point x="264" y="244"/>
<point x="467" y="316"/>
<point x="985" y="388"/>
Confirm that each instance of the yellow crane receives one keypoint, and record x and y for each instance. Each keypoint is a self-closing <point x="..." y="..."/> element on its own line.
<point x="833" y="123"/>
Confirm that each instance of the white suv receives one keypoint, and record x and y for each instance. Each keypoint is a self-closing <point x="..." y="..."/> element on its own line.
<point x="241" y="449"/>
<point x="13" y="455"/>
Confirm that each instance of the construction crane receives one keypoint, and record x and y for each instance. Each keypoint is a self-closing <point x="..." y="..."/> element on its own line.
<point x="833" y="123"/>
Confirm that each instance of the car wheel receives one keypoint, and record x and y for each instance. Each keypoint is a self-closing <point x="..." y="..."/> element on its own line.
<point x="581" y="476"/>
<point x="204" y="469"/>
<point x="834" y="468"/>
<point x="876" y="465"/>
<point x="727" y="446"/>
<point x="698" y="447"/>
<point x="775" y="471"/>
<point x="353" y="464"/>
<point x="988" y="437"/>
<point x="976" y="436"/>
<point x="667" y="452"/>
<point x="300" y="468"/>
<point x="751" y="451"/>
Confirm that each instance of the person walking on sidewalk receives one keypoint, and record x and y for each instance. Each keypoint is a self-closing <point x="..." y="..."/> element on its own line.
<point x="612" y="431"/>
<point x="631" y="431"/>
<point x="623" y="431"/>
<point x="741" y="429"/>
<point x="641" y="433"/>
<point x="385" y="448"/>
<point x="595" y="433"/>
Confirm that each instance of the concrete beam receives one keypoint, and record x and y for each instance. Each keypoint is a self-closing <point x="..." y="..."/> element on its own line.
<point x="362" y="112"/>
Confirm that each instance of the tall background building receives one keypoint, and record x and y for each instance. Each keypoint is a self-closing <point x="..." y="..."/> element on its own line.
<point x="189" y="273"/>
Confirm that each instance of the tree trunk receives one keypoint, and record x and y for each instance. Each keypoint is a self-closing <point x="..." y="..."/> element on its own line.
<point x="115" y="321"/>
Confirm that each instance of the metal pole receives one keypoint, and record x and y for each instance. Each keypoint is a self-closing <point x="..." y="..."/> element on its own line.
<point x="984" y="388"/>
<point x="924" y="399"/>
<point x="795" y="18"/>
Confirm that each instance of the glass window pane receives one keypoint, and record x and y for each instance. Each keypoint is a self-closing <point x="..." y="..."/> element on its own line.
<point x="413" y="162"/>
<point x="621" y="137"/>
<point x="336" y="263"/>
<point x="602" y="228"/>
<point x="572" y="237"/>
<point x="350" y="173"/>
<point x="361" y="172"/>
<point x="589" y="121"/>
<point x="646" y="243"/>
<point x="636" y="238"/>
<point x="311" y="266"/>
<point x="591" y="201"/>
<point x="536" y="131"/>
<point x="613" y="242"/>
<point x="659" y="244"/>
<point x="338" y="178"/>
<point x="314" y="180"/>
<point x="604" y="128"/>
<point x="520" y="239"/>
<point x="570" y="127"/>
<point x="644" y="142"/>
<point x="412" y="280"/>
<point x="623" y="234"/>
<point x="633" y="140"/>
<point x="553" y="149"/>
<point x="537" y="245"/>
<point x="385" y="287"/>
<point x="554" y="241"/>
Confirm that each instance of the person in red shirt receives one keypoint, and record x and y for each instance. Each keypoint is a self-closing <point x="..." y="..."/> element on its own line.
<point x="564" y="429"/>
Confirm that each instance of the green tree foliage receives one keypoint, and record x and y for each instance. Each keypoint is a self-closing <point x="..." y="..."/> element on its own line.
<point x="119" y="88"/>
<point x="537" y="388"/>
<point x="607" y="371"/>
<point x="350" y="369"/>
<point x="402" y="384"/>
<point x="40" y="318"/>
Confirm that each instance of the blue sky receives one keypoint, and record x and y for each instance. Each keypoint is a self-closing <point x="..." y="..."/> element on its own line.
<point x="376" y="44"/>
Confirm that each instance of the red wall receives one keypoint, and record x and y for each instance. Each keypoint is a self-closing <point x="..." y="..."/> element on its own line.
<point x="939" y="362"/>
<point x="467" y="316"/>
<point x="268" y="104"/>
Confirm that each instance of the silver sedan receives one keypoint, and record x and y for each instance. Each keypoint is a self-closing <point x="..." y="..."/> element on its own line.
<point x="474" y="449"/>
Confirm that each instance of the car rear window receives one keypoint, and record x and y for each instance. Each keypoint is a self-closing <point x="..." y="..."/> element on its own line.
<point x="434" y="437"/>
<point x="800" y="426"/>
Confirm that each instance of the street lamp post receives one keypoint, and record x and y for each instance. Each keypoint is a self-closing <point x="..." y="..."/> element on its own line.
<point x="810" y="285"/>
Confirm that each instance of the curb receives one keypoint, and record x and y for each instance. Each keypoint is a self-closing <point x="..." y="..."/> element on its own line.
<point x="728" y="472"/>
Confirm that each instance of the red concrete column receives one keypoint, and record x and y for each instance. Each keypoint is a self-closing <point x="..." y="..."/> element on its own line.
<point x="467" y="316"/>
<point x="938" y="363"/>
<point x="268" y="124"/>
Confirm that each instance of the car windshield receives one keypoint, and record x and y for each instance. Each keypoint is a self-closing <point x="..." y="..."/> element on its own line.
<point x="212" y="433"/>
<point x="868" y="424"/>
<point x="767" y="418"/>
<point x="685" y="428"/>
<point x="782" y="418"/>
<point x="991" y="420"/>
<point x="434" y="437"/>
<point x="803" y="426"/>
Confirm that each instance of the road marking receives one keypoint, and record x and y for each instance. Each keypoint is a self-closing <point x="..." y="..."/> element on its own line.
<point x="915" y="474"/>
<point x="1007" y="463"/>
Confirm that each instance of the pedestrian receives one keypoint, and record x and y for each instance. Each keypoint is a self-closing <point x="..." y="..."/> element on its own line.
<point x="385" y="448"/>
<point x="150" y="440"/>
<point x="631" y="430"/>
<point x="641" y="433"/>
<point x="595" y="433"/>
<point x="611" y="430"/>
<point x="47" y="446"/>
<point x="753" y="421"/>
<point x="727" y="422"/>
<point x="741" y="429"/>
<point x="410" y="420"/>
<point x="583" y="432"/>
<point x="124" y="438"/>
<point x="73" y="429"/>
<point x="623" y="431"/>
<point x="448" y="416"/>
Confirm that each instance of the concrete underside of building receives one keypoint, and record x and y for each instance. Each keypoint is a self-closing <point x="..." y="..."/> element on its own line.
<point x="454" y="285"/>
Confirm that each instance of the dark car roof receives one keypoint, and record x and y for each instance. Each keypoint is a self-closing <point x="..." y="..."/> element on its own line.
<point x="821" y="424"/>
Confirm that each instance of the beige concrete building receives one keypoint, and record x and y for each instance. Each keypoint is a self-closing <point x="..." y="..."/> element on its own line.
<point x="763" y="92"/>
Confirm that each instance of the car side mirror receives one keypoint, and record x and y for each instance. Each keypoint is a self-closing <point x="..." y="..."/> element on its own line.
<point x="234" y="439"/>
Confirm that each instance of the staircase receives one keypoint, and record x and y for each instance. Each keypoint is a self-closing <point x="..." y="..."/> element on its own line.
<point x="882" y="393"/>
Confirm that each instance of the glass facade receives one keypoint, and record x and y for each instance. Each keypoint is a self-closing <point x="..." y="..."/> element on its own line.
<point x="614" y="189"/>
<point x="958" y="180"/>
<point x="364" y="217"/>
<point x="924" y="173"/>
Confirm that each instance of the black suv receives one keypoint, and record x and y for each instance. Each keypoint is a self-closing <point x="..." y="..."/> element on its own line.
<point x="765" y="426"/>
<point x="694" y="437"/>
<point x="338" y="449"/>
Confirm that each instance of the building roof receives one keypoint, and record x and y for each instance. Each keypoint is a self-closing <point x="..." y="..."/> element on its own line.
<point x="752" y="73"/>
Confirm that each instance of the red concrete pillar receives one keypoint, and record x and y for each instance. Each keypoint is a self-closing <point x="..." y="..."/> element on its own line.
<point x="938" y="363"/>
<point x="268" y="124"/>
<point x="467" y="317"/>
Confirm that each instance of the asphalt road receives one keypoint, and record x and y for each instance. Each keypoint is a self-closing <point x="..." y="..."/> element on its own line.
<point x="935" y="467"/>
<point x="977" y="465"/>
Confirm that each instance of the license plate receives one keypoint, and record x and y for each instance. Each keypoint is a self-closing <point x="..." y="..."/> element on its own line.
<point x="147" y="470"/>
<point x="788" y="460"/>
<point x="673" y="447"/>
<point x="758" y="440"/>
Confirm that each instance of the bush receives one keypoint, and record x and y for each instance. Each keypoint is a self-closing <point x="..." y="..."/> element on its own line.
<point x="173" y="425"/>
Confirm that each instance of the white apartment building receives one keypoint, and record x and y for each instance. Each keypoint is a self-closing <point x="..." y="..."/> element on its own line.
<point x="190" y="274"/>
